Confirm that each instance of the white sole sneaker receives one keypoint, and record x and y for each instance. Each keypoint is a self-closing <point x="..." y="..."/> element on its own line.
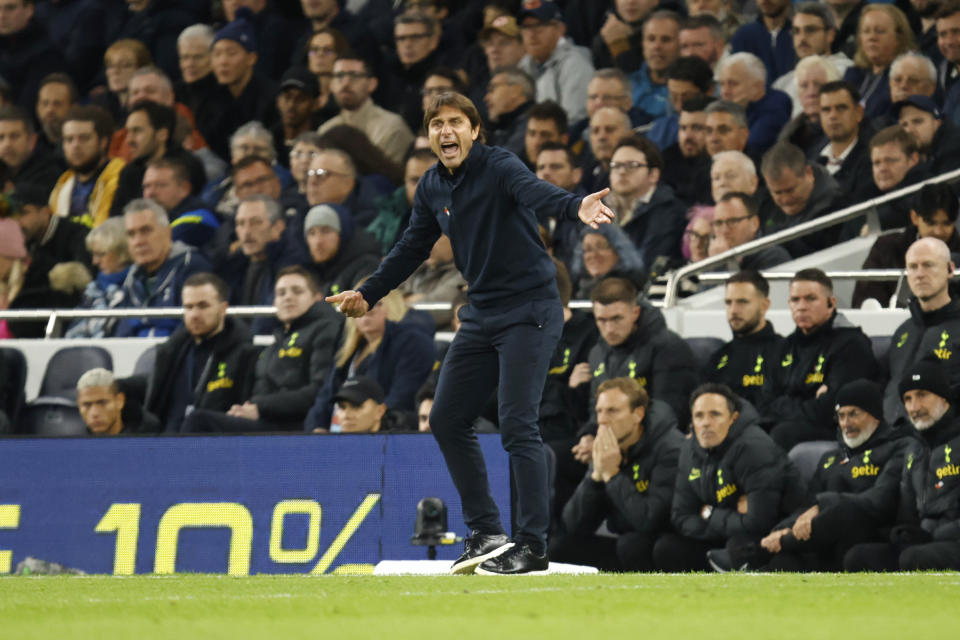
<point x="469" y="566"/>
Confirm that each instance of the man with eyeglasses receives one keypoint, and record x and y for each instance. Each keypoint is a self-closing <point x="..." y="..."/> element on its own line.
<point x="744" y="363"/>
<point x="332" y="179"/>
<point x="799" y="192"/>
<point x="813" y="33"/>
<point x="352" y="86"/>
<point x="647" y="210"/>
<point x="416" y="37"/>
<point x="735" y="222"/>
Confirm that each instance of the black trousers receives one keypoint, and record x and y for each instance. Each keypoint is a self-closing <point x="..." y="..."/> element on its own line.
<point x="886" y="556"/>
<point x="507" y="349"/>
<point x="627" y="552"/>
<point x="207" y="421"/>
<point x="675" y="553"/>
<point x="834" y="531"/>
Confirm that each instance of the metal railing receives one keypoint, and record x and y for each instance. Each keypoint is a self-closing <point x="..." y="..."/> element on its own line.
<point x="803" y="229"/>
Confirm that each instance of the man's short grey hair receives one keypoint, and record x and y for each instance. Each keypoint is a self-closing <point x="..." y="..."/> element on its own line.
<point x="664" y="14"/>
<point x="255" y="129"/>
<point x="98" y="377"/>
<point x="145" y="204"/>
<point x="153" y="70"/>
<point x="416" y="17"/>
<point x="110" y="236"/>
<point x="517" y="76"/>
<point x="271" y="206"/>
<point x="752" y="65"/>
<point x="612" y="73"/>
<point x="726" y="106"/>
<point x="819" y="10"/>
<point x="743" y="161"/>
<point x="924" y="60"/>
<point x="937" y="245"/>
<point x="200" y="32"/>
<point x="830" y="71"/>
<point x="783" y="156"/>
<point x="344" y="156"/>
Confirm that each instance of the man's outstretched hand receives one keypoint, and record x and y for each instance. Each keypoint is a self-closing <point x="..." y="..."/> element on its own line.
<point x="351" y="303"/>
<point x="592" y="210"/>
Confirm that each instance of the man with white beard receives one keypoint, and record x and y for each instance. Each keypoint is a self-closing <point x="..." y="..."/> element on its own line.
<point x="926" y="535"/>
<point x="853" y="492"/>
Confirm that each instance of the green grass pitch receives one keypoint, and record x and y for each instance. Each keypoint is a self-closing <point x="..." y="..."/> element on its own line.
<point x="742" y="606"/>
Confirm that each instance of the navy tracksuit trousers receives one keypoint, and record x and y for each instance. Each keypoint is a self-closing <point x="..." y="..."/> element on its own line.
<point x="507" y="349"/>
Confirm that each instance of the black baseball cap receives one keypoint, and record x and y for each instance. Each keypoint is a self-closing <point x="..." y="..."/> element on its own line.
<point x="302" y="79"/>
<point x="924" y="103"/>
<point x="360" y="389"/>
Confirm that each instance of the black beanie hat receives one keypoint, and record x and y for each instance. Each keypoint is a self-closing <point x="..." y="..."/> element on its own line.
<point x="927" y="375"/>
<point x="862" y="393"/>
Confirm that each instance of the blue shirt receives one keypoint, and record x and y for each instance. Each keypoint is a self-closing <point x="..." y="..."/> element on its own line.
<point x="649" y="97"/>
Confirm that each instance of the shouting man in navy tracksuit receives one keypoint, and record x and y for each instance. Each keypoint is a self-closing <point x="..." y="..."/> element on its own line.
<point x="486" y="201"/>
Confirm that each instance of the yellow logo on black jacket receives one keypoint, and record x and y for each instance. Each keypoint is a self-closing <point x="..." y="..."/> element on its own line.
<point x="292" y="350"/>
<point x="222" y="381"/>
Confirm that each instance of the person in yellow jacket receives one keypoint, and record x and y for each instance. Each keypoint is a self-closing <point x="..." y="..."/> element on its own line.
<point x="84" y="193"/>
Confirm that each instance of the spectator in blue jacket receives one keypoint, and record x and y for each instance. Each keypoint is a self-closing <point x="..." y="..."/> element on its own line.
<point x="743" y="79"/>
<point x="107" y="244"/>
<point x="769" y="38"/>
<point x="160" y="267"/>
<point x="661" y="46"/>
<point x="398" y="356"/>
<point x="167" y="182"/>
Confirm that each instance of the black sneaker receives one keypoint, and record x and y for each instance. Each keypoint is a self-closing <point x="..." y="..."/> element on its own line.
<point x="520" y="560"/>
<point x="722" y="562"/>
<point x="479" y="547"/>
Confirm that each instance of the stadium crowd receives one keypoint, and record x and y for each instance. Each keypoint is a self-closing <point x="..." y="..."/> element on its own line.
<point x="198" y="155"/>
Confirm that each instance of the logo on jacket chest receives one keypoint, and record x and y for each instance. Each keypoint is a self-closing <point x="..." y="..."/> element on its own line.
<point x="941" y="351"/>
<point x="816" y="377"/>
<point x="222" y="381"/>
<point x="756" y="378"/>
<point x="867" y="469"/>
<point x="641" y="485"/>
<point x="291" y="350"/>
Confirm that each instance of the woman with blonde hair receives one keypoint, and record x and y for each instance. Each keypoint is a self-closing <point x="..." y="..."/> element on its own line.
<point x="883" y="33"/>
<point x="398" y="355"/>
<point x="121" y="60"/>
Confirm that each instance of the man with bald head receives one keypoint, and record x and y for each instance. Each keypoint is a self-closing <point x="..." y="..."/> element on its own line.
<point x="607" y="126"/>
<point x="933" y="329"/>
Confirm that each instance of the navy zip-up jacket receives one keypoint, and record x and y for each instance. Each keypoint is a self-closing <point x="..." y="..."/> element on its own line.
<point x="488" y="207"/>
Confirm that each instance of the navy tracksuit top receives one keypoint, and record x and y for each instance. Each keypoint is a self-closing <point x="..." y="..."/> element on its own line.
<point x="488" y="207"/>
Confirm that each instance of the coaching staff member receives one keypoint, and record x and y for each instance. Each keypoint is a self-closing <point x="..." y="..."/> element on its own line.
<point x="486" y="201"/>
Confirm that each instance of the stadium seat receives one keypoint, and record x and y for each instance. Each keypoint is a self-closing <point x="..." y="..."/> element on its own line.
<point x="14" y="367"/>
<point x="144" y="365"/>
<point x="702" y="349"/>
<point x="881" y="348"/>
<point x="806" y="455"/>
<point x="52" y="417"/>
<point x="67" y="365"/>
